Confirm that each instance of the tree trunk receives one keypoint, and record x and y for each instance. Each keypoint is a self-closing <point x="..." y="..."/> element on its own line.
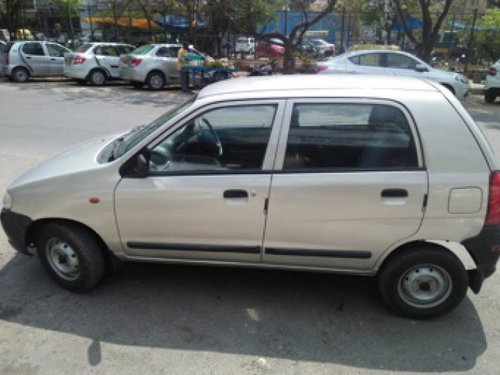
<point x="289" y="58"/>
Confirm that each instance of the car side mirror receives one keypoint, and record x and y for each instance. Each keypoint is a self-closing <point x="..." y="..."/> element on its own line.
<point x="421" y="68"/>
<point x="137" y="166"/>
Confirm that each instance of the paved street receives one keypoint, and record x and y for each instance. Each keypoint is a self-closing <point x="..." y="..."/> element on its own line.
<point x="176" y="320"/>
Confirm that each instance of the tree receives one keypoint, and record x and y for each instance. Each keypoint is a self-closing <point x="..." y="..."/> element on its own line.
<point x="380" y="15"/>
<point x="11" y="14"/>
<point x="432" y="13"/>
<point x="488" y="33"/>
<point x="246" y="16"/>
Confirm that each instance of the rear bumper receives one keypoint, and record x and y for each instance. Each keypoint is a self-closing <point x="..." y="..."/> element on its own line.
<point x="75" y="73"/>
<point x="15" y="227"/>
<point x="485" y="250"/>
<point x="132" y="74"/>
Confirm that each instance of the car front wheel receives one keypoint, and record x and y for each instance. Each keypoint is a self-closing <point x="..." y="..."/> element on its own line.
<point x="72" y="255"/>
<point x="423" y="282"/>
<point x="489" y="97"/>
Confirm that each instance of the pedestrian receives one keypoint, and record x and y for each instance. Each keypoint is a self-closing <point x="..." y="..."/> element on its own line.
<point x="182" y="66"/>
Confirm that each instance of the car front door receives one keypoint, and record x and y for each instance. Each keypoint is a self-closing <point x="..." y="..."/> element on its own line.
<point x="36" y="58"/>
<point x="208" y="183"/>
<point x="56" y="58"/>
<point x="402" y="65"/>
<point x="349" y="184"/>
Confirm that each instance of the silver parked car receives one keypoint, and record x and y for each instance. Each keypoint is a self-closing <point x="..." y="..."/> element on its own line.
<point x="395" y="63"/>
<point x="95" y="62"/>
<point x="23" y="59"/>
<point x="154" y="65"/>
<point x="321" y="173"/>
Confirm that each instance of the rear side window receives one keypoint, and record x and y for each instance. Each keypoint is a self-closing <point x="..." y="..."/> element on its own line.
<point x="105" y="50"/>
<point x="368" y="59"/>
<point x="166" y="52"/>
<point x="33" y="48"/>
<point x="349" y="136"/>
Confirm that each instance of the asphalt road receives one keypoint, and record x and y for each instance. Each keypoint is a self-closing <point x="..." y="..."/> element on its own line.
<point x="157" y="319"/>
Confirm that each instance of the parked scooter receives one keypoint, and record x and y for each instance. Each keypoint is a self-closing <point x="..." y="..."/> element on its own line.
<point x="262" y="70"/>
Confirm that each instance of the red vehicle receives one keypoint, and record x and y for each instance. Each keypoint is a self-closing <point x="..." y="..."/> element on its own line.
<point x="274" y="49"/>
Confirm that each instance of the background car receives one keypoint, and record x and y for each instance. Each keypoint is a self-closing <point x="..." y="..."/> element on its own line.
<point x="324" y="48"/>
<point x="23" y="59"/>
<point x="245" y="45"/>
<point x="274" y="48"/>
<point x="95" y="62"/>
<point x="492" y="83"/>
<point x="154" y="65"/>
<point x="394" y="63"/>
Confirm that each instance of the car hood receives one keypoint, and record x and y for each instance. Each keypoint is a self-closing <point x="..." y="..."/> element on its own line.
<point x="77" y="159"/>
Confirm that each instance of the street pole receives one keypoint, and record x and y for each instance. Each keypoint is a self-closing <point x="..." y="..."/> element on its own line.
<point x="469" y="49"/>
<point x="342" y="28"/>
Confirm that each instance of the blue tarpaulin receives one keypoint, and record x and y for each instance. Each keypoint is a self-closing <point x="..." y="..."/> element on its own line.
<point x="411" y="22"/>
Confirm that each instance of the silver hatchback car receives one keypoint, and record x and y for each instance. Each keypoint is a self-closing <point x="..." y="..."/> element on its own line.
<point x="154" y="65"/>
<point x="95" y="62"/>
<point x="23" y="59"/>
<point x="321" y="173"/>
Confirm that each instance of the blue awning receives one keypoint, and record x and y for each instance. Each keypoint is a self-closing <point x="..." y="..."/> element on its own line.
<point x="175" y="23"/>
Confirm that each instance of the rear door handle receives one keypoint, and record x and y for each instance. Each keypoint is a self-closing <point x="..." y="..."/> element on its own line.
<point x="235" y="193"/>
<point x="394" y="193"/>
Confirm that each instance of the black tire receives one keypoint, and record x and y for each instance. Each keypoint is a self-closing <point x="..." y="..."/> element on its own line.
<point x="20" y="75"/>
<point x="155" y="80"/>
<point x="423" y="281"/>
<point x="72" y="255"/>
<point x="137" y="85"/>
<point x="489" y="97"/>
<point x="97" y="77"/>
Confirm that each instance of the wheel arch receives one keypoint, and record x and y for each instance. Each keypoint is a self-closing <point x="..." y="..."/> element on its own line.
<point x="100" y="68"/>
<point x="36" y="226"/>
<point x="156" y="70"/>
<point x="454" y="248"/>
<point x="449" y="87"/>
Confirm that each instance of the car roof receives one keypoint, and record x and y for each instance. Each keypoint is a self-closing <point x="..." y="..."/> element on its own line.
<point x="281" y="86"/>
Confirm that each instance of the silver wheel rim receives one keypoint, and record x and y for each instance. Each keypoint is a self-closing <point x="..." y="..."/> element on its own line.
<point x="156" y="81"/>
<point x="98" y="78"/>
<point x="425" y="286"/>
<point x="21" y="75"/>
<point x="62" y="259"/>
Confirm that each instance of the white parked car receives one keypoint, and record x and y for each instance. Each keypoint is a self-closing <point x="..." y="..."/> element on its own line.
<point x="492" y="83"/>
<point x="95" y="62"/>
<point x="245" y="45"/>
<point x="395" y="63"/>
<point x="372" y="176"/>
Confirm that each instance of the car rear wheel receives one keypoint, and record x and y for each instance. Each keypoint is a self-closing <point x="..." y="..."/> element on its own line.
<point x="489" y="97"/>
<point x="155" y="81"/>
<point x="423" y="282"/>
<point x="97" y="77"/>
<point x="20" y="75"/>
<point x="72" y="255"/>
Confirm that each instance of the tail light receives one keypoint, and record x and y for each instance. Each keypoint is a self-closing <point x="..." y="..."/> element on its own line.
<point x="492" y="71"/>
<point x="78" y="59"/>
<point x="320" y="68"/>
<point x="135" y="61"/>
<point x="493" y="216"/>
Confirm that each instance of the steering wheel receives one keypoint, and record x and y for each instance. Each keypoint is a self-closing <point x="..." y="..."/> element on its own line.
<point x="214" y="134"/>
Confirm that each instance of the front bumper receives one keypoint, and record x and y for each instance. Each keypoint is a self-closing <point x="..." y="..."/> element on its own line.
<point x="485" y="250"/>
<point x="16" y="226"/>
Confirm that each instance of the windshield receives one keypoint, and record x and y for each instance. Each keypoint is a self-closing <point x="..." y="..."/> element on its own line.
<point x="131" y="139"/>
<point x="143" y="50"/>
<point x="83" y="48"/>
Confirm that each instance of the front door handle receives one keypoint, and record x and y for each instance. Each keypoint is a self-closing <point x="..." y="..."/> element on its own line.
<point x="235" y="193"/>
<point x="394" y="193"/>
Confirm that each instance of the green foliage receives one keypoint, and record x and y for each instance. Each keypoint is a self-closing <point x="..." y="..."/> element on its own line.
<point x="488" y="35"/>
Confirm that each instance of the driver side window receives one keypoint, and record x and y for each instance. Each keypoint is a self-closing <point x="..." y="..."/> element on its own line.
<point x="224" y="139"/>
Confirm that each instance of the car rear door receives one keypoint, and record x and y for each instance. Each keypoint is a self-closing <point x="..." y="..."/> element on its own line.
<point x="108" y="57"/>
<point x="204" y="197"/>
<point x="349" y="183"/>
<point x="33" y="54"/>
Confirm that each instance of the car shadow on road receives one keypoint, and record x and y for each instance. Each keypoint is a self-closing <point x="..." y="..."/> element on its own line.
<point x="114" y="92"/>
<point x="297" y="316"/>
